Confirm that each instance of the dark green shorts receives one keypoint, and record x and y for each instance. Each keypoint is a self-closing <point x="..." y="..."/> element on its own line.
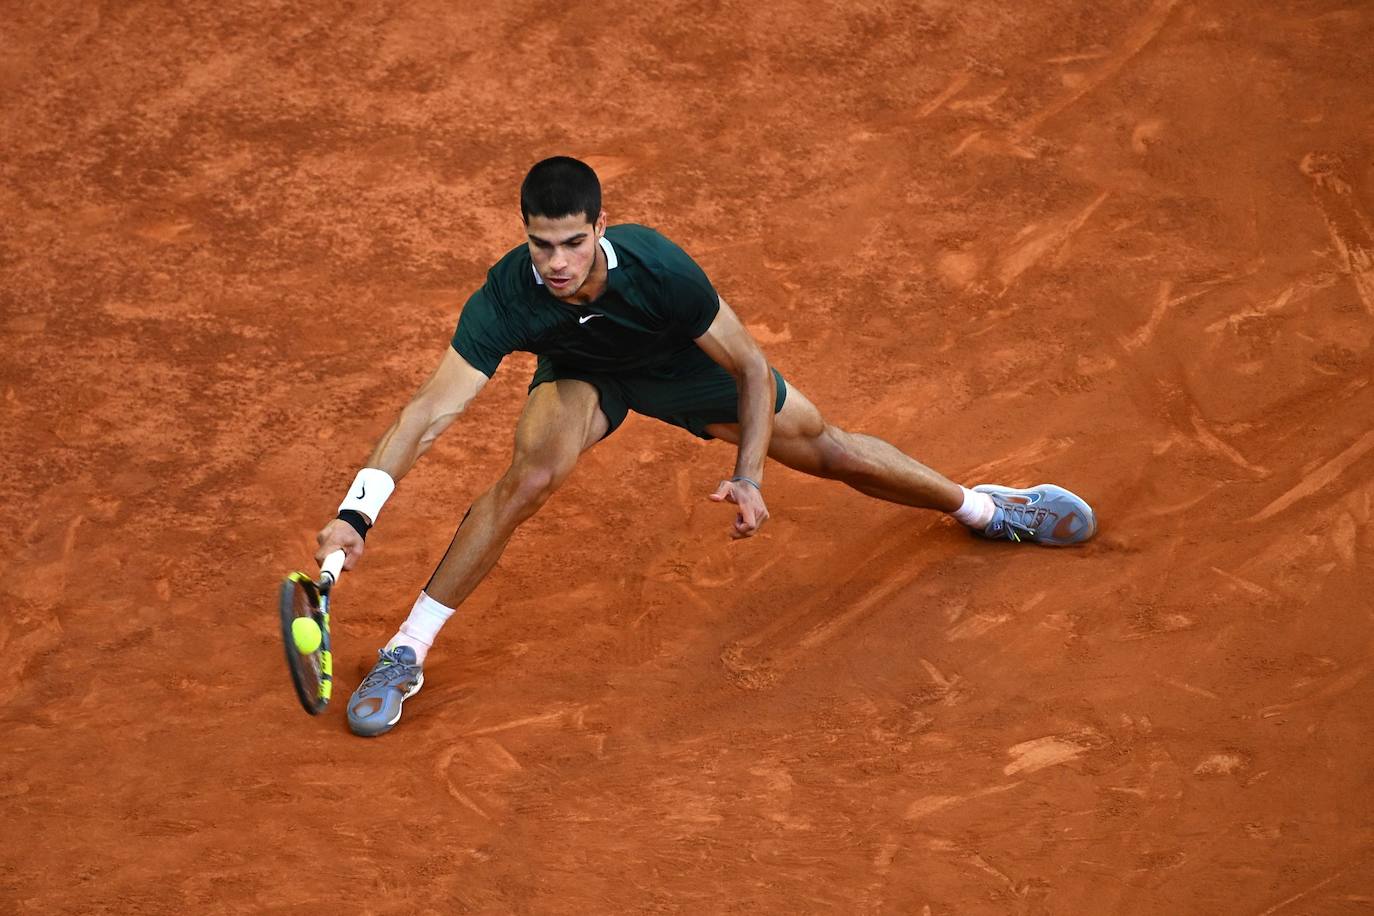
<point x="692" y="392"/>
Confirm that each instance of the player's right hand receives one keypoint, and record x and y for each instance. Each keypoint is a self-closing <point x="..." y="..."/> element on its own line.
<point x="339" y="535"/>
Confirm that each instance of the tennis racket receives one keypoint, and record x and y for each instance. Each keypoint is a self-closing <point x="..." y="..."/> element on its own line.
<point x="305" y="625"/>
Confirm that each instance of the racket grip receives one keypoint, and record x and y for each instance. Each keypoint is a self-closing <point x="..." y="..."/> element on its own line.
<point x="331" y="567"/>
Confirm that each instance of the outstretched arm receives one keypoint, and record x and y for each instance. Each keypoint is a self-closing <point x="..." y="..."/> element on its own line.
<point x="443" y="396"/>
<point x="438" y="402"/>
<point x="731" y="345"/>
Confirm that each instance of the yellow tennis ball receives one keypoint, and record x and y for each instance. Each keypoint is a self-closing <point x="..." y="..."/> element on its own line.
<point x="305" y="633"/>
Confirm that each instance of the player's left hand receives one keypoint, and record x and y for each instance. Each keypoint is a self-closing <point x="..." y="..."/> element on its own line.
<point x="752" y="512"/>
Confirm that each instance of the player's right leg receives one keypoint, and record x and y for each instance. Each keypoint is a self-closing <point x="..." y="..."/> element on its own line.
<point x="561" y="420"/>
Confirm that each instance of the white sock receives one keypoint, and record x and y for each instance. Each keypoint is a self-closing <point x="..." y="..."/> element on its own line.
<point x="426" y="618"/>
<point x="977" y="509"/>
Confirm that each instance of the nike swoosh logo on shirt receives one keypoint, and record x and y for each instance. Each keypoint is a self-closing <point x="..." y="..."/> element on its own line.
<point x="586" y="318"/>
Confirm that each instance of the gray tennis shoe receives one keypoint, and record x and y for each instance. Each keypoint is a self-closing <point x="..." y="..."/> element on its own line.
<point x="1043" y="514"/>
<point x="376" y="705"/>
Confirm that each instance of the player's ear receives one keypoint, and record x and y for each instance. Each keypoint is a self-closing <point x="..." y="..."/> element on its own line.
<point x="600" y="225"/>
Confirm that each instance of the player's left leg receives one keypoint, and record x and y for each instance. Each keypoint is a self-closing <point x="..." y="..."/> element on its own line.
<point x="803" y="440"/>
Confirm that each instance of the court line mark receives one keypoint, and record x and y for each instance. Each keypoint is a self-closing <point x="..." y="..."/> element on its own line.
<point x="548" y="718"/>
<point x="1189" y="688"/>
<point x="759" y="659"/>
<point x="1165" y="301"/>
<point x="1319" y="479"/>
<point x="1346" y="221"/>
<point x="1141" y="35"/>
<point x="960" y="80"/>
<point x="1033" y="250"/>
<point x="1258" y="591"/>
<point x="1214" y="444"/>
<point x="1339" y="685"/>
<point x="922" y="807"/>
<point x="1300" y="894"/>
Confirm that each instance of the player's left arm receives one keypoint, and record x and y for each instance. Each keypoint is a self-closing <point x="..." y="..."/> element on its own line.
<point x="730" y="344"/>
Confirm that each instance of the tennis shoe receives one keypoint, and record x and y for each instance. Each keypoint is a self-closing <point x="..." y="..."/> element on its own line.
<point x="376" y="705"/>
<point x="1043" y="514"/>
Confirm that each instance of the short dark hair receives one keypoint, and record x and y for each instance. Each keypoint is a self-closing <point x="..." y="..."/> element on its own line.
<point x="558" y="187"/>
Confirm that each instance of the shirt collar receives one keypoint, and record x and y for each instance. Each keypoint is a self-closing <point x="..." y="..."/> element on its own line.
<point x="611" y="260"/>
<point x="606" y="246"/>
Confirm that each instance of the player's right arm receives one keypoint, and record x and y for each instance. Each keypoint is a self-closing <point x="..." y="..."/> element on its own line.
<point x="438" y="402"/>
<point x="443" y="396"/>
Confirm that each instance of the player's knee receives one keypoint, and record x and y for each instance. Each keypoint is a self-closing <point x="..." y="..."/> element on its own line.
<point x="527" y="486"/>
<point x="837" y="455"/>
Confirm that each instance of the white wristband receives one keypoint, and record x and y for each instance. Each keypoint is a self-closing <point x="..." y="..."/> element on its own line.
<point x="370" y="491"/>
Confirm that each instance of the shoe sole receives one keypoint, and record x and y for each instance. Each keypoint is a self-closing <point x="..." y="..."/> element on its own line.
<point x="420" y="682"/>
<point x="1053" y="491"/>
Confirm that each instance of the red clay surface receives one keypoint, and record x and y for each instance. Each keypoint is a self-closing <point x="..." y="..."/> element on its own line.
<point x="1125" y="247"/>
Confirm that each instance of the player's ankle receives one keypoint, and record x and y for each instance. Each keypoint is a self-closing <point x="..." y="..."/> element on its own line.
<point x="402" y="638"/>
<point x="426" y="618"/>
<point x="977" y="509"/>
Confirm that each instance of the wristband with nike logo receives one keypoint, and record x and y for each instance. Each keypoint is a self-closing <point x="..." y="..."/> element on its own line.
<point x="370" y="491"/>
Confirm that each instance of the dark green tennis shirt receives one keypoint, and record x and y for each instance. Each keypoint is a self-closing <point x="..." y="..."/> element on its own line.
<point x="657" y="302"/>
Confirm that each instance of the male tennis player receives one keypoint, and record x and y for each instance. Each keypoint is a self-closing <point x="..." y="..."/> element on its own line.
<point x="622" y="319"/>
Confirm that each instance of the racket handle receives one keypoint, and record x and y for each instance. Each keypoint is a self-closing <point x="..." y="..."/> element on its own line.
<point x="331" y="567"/>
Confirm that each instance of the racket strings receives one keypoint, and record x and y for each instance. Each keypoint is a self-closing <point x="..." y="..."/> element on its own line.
<point x="304" y="605"/>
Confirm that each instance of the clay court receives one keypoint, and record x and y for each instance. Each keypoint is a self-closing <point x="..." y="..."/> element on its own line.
<point x="1124" y="247"/>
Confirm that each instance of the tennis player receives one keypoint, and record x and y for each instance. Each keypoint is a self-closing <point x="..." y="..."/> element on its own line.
<point x="622" y="319"/>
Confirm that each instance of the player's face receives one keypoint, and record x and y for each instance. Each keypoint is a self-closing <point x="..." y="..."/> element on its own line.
<point x="564" y="250"/>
